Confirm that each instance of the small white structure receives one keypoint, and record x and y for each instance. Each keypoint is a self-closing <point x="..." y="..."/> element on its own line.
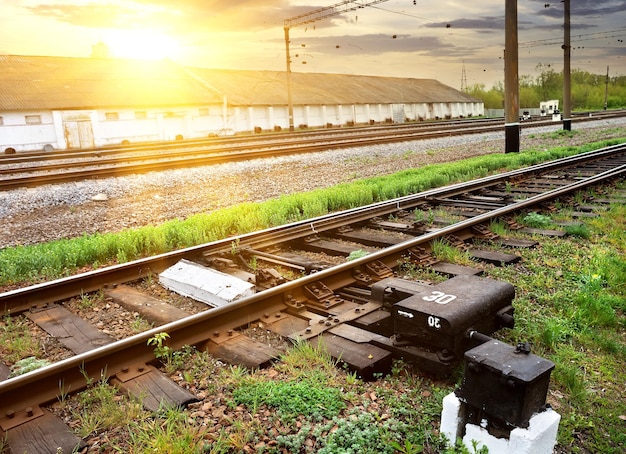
<point x="539" y="438"/>
<point x="548" y="107"/>
<point x="204" y="284"/>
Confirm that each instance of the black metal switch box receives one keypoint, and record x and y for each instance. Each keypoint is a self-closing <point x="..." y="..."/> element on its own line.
<point x="439" y="317"/>
<point x="505" y="382"/>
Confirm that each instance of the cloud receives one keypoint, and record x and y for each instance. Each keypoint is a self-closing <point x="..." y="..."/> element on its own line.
<point x="181" y="16"/>
<point x="580" y="8"/>
<point x="482" y="23"/>
<point x="377" y="44"/>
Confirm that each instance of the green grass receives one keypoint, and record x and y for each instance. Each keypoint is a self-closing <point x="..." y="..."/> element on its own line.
<point x="33" y="263"/>
<point x="101" y="408"/>
<point x="570" y="305"/>
<point x="17" y="342"/>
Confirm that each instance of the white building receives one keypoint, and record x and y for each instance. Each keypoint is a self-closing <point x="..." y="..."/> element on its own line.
<point x="70" y="103"/>
<point x="549" y="107"/>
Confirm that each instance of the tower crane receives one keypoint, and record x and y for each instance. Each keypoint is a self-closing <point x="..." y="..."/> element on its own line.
<point x="314" y="16"/>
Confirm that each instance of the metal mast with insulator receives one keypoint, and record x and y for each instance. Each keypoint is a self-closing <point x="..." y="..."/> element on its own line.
<point x="314" y="16"/>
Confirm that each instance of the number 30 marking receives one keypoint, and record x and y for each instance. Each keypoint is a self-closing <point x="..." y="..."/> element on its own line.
<point x="439" y="297"/>
<point x="434" y="322"/>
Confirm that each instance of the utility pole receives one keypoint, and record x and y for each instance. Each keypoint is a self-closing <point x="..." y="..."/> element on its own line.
<point x="606" y="88"/>
<point x="463" y="78"/>
<point x="567" y="77"/>
<point x="314" y="16"/>
<point x="511" y="79"/>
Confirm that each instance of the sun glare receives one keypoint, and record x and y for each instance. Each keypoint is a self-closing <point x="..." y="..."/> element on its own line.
<point x="141" y="44"/>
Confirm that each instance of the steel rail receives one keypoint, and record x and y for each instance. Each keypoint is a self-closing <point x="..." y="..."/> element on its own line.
<point x="73" y="374"/>
<point x="115" y="167"/>
<point x="138" y="164"/>
<point x="232" y="141"/>
<point x="236" y="141"/>
<point x="222" y="141"/>
<point x="18" y="300"/>
<point x="243" y="142"/>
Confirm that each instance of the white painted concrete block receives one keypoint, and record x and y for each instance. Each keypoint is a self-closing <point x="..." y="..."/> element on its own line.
<point x="538" y="438"/>
<point x="474" y="433"/>
<point x="204" y="284"/>
<point x="451" y="424"/>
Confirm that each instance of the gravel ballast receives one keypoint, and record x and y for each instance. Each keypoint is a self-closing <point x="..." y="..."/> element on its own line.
<point x="51" y="212"/>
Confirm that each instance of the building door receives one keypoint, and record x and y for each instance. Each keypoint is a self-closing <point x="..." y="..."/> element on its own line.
<point x="399" y="114"/>
<point x="78" y="134"/>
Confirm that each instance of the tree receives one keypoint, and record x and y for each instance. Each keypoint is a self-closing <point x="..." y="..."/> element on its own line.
<point x="589" y="91"/>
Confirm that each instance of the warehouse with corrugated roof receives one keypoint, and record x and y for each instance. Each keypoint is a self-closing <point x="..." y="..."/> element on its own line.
<point x="70" y="103"/>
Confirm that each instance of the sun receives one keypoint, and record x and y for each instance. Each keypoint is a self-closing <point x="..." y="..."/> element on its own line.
<point x="142" y="44"/>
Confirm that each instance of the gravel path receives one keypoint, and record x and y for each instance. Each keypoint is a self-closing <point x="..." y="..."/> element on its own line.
<point x="68" y="210"/>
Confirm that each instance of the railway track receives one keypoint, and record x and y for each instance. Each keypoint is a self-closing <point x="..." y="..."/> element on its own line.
<point x="35" y="169"/>
<point x="362" y="310"/>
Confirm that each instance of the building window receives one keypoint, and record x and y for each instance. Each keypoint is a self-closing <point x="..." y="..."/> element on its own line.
<point x="33" y="119"/>
<point x="203" y="112"/>
<point x="112" y="116"/>
<point x="141" y="115"/>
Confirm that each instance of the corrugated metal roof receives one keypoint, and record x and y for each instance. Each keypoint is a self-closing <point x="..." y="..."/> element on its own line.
<point x="35" y="83"/>
<point x="270" y="88"/>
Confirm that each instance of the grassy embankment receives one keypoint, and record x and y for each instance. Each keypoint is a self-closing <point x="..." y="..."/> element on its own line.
<point x="63" y="257"/>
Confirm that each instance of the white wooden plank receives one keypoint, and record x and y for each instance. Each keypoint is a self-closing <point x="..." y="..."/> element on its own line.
<point x="204" y="284"/>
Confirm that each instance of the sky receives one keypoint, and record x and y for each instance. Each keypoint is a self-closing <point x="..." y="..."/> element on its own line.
<point x="459" y="43"/>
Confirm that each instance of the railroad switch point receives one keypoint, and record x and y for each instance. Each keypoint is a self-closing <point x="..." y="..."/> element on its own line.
<point x="438" y="318"/>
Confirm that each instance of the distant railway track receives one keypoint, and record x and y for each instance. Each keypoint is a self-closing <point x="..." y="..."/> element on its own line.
<point x="348" y="306"/>
<point x="35" y="169"/>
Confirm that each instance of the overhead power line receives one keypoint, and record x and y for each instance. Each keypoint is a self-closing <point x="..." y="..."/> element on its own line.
<point x="329" y="11"/>
<point x="579" y="37"/>
<point x="314" y="16"/>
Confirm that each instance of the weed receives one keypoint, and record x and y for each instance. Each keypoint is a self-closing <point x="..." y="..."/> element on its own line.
<point x="171" y="433"/>
<point x="536" y="220"/>
<point x="26" y="365"/>
<point x="254" y="264"/>
<point x="233" y="375"/>
<point x="64" y="393"/>
<point x="234" y="247"/>
<point x="356" y="255"/>
<point x="309" y="396"/>
<point x="410" y="270"/>
<point x="352" y="378"/>
<point x="161" y="351"/>
<point x="578" y="230"/>
<point x="407" y="447"/>
<point x="499" y="228"/>
<point x="101" y="407"/>
<point x="149" y="279"/>
<point x="304" y="357"/>
<point x="16" y="340"/>
<point x="448" y="253"/>
<point x="365" y="433"/>
<point x="4" y="442"/>
<point x="87" y="301"/>
<point x="139" y="325"/>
